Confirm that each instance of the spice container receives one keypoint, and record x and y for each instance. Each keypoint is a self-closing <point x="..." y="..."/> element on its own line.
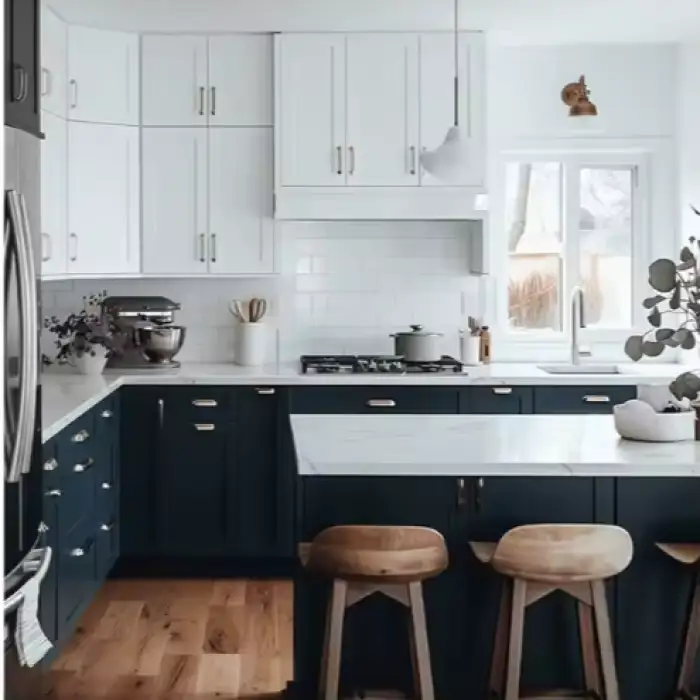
<point x="485" y="345"/>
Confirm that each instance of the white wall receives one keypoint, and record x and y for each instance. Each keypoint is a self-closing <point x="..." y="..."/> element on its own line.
<point x="689" y="137"/>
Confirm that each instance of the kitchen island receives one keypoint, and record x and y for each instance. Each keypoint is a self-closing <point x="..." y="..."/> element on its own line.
<point x="473" y="478"/>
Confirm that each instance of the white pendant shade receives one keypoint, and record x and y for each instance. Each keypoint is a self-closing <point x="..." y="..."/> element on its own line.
<point x="450" y="159"/>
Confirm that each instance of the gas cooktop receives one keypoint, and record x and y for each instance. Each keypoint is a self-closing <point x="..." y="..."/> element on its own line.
<point x="375" y="364"/>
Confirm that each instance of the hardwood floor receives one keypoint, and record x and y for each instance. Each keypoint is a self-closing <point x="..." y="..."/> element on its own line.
<point x="179" y="640"/>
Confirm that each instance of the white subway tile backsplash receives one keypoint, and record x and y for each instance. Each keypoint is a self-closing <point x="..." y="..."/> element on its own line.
<point x="343" y="287"/>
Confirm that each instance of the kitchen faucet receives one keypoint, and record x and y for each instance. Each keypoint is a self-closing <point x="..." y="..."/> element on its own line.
<point x="577" y="322"/>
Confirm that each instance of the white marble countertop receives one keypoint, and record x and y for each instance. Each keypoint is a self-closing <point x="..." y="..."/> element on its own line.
<point x="489" y="445"/>
<point x="67" y="396"/>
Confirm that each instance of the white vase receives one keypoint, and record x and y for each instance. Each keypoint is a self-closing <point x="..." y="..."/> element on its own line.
<point x="87" y="364"/>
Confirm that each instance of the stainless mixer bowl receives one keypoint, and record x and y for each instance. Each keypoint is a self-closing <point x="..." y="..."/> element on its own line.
<point x="161" y="344"/>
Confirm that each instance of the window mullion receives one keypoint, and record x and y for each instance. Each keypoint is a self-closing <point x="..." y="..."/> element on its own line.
<point x="571" y="215"/>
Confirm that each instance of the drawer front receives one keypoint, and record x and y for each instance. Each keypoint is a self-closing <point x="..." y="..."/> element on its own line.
<point x="581" y="399"/>
<point x="107" y="542"/>
<point x="77" y="490"/>
<point x="76" y="574"/>
<point x="374" y="400"/>
<point x="496" y="399"/>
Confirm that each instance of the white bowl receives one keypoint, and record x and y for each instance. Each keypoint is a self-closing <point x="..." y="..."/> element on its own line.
<point x="637" y="420"/>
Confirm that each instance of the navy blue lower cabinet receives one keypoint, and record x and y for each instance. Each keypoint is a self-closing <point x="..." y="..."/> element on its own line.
<point x="496" y="399"/>
<point x="580" y="399"/>
<point x="653" y="594"/>
<point x="375" y="642"/>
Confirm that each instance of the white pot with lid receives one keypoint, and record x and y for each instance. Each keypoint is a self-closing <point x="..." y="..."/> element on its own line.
<point x="418" y="345"/>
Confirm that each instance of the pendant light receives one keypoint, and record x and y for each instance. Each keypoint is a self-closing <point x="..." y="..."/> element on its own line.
<point x="450" y="158"/>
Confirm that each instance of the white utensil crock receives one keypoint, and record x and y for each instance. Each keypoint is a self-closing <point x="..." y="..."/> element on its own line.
<point x="251" y="344"/>
<point x="469" y="349"/>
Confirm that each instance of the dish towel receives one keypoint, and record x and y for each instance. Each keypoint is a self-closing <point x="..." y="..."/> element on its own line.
<point x="31" y="642"/>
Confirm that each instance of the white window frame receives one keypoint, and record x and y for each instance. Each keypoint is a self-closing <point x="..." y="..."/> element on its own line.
<point x="573" y="159"/>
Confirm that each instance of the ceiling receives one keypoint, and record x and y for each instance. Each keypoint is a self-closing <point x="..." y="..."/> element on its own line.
<point x="507" y="21"/>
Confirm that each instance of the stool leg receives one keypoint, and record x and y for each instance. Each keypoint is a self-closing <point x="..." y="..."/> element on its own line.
<point x="607" y="656"/>
<point x="419" y="632"/>
<point x="692" y="643"/>
<point x="515" y="640"/>
<point x="500" y="644"/>
<point x="591" y="673"/>
<point x="330" y="661"/>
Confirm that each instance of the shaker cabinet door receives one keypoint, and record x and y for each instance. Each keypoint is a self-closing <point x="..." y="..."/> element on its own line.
<point x="310" y="80"/>
<point x="54" y="63"/>
<point x="102" y="76"/>
<point x="382" y="109"/>
<point x="54" y="194"/>
<point x="175" y="223"/>
<point x="174" y="80"/>
<point x="103" y="199"/>
<point x="240" y="201"/>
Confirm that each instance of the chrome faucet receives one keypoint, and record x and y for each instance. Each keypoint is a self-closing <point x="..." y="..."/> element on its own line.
<point x="577" y="322"/>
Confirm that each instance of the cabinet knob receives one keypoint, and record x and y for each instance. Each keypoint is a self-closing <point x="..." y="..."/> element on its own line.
<point x="50" y="465"/>
<point x="77" y="552"/>
<point x="54" y="493"/>
<point x="596" y="398"/>
<point x="106" y="527"/>
<point x="83" y="466"/>
<point x="381" y="403"/>
<point x="106" y="485"/>
<point x="265" y="392"/>
<point x="80" y="436"/>
<point x="106" y="413"/>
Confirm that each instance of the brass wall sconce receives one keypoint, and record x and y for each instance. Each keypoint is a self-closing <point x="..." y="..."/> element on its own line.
<point x="575" y="95"/>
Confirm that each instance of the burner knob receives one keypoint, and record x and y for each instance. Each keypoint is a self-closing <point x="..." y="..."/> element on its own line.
<point x="383" y="366"/>
<point x="397" y="366"/>
<point x="372" y="366"/>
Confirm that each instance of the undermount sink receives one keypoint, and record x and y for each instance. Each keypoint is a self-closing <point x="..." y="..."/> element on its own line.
<point x="580" y="369"/>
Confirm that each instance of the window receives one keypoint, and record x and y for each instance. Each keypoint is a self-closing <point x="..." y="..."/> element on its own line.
<point x="571" y="220"/>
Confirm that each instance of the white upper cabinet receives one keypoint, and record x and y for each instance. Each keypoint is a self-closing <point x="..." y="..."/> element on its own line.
<point x="240" y="80"/>
<point x="102" y="76"/>
<point x="54" y="193"/>
<point x="103" y="199"/>
<point x="310" y="103"/>
<point x="437" y="100"/>
<point x="174" y="90"/>
<point x="240" y="201"/>
<point x="221" y="80"/>
<point x="175" y="224"/>
<point x="54" y="63"/>
<point x="382" y="109"/>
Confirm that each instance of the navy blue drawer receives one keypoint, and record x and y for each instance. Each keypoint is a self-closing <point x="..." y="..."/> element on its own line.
<point x="371" y="399"/>
<point x="581" y="399"/>
<point x="496" y="399"/>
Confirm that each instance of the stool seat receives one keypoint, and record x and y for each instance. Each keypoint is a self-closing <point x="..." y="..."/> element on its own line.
<point x="378" y="554"/>
<point x="681" y="552"/>
<point x="559" y="554"/>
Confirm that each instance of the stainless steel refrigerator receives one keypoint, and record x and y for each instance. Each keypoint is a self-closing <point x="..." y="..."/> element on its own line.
<point x="26" y="554"/>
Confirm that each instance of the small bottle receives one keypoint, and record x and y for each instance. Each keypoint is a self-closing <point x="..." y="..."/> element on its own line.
<point x="485" y="345"/>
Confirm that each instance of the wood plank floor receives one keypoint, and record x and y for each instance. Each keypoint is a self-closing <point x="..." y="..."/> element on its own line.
<point x="179" y="640"/>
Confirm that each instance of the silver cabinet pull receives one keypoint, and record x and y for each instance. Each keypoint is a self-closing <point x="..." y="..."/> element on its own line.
<point x="74" y="93"/>
<point x="351" y="160"/>
<point x="50" y="465"/>
<point x="74" y="237"/>
<point x="202" y="245"/>
<point x="339" y="160"/>
<point x="106" y="413"/>
<point x="204" y="427"/>
<point x="81" y="467"/>
<point x="596" y="398"/>
<point x="412" y="159"/>
<point x="213" y="247"/>
<point x="46" y="82"/>
<point x="106" y="485"/>
<point x="213" y="101"/>
<point x="205" y="403"/>
<point x="381" y="403"/>
<point x="161" y="412"/>
<point x="502" y="390"/>
<point x="201" y="101"/>
<point x="77" y="552"/>
<point x="265" y="392"/>
<point x="80" y="436"/>
<point x="106" y="527"/>
<point x="54" y="493"/>
<point x="47" y="249"/>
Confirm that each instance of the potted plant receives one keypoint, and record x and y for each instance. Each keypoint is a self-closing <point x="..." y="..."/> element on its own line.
<point x="84" y="340"/>
<point x="677" y="293"/>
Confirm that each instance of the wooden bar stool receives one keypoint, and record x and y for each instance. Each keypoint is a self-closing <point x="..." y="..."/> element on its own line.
<point x="540" y="559"/>
<point x="688" y="554"/>
<point x="363" y="560"/>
